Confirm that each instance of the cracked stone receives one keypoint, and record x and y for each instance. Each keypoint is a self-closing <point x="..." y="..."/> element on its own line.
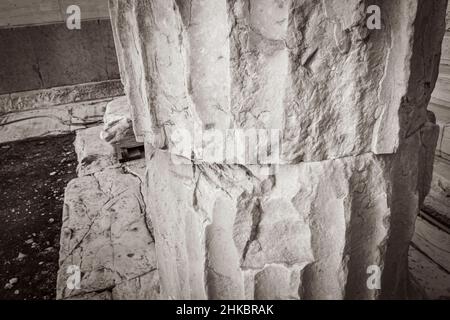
<point x="106" y="215"/>
<point x="350" y="105"/>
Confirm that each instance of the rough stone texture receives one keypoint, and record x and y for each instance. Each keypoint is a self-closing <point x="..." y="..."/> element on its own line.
<point x="410" y="173"/>
<point x="117" y="123"/>
<point x="307" y="231"/>
<point x="223" y="224"/>
<point x="444" y="141"/>
<point x="93" y="153"/>
<point x="117" y="109"/>
<point x="440" y="100"/>
<point x="310" y="69"/>
<point x="51" y="120"/>
<point x="37" y="99"/>
<point x="40" y="57"/>
<point x="105" y="231"/>
<point x="350" y="104"/>
<point x="428" y="254"/>
<point x="438" y="200"/>
<point x="105" y="234"/>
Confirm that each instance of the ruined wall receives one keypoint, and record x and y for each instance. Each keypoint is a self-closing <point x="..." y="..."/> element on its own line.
<point x="38" y="52"/>
<point x="46" y="56"/>
<point x="17" y="13"/>
<point x="349" y="105"/>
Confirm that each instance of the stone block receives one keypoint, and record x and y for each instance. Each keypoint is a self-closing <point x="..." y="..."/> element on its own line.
<point x="106" y="234"/>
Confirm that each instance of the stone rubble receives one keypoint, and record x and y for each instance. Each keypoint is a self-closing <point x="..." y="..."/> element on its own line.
<point x="51" y="120"/>
<point x="117" y="121"/>
<point x="106" y="231"/>
<point x="56" y="96"/>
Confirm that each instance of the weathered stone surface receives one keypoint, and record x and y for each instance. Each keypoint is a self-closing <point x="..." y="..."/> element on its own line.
<point x="117" y="109"/>
<point x="429" y="135"/>
<point x="244" y="236"/>
<point x="350" y="106"/>
<point x="106" y="234"/>
<point x="93" y="153"/>
<point x="439" y="197"/>
<point x="410" y="173"/>
<point x="117" y="122"/>
<point x="52" y="120"/>
<point x="106" y="231"/>
<point x="445" y="142"/>
<point x="310" y="69"/>
<point x="306" y="231"/>
<point x="37" y="99"/>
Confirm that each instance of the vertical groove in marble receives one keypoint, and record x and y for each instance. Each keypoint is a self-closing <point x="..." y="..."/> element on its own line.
<point x="349" y="103"/>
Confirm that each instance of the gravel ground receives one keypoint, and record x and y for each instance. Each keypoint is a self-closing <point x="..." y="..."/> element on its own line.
<point x="33" y="175"/>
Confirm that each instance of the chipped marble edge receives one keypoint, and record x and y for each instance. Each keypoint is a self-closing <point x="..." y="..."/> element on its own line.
<point x="52" y="120"/>
<point x="41" y="98"/>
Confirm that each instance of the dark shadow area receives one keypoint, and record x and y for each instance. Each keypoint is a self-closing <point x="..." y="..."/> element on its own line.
<point x="33" y="176"/>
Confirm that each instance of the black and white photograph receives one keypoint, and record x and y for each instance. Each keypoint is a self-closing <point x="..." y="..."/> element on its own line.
<point x="248" y="151"/>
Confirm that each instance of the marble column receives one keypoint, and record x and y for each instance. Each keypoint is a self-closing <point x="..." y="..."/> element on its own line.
<point x="287" y="143"/>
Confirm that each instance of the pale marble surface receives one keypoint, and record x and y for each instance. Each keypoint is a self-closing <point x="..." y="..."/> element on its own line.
<point x="106" y="230"/>
<point x="52" y="120"/>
